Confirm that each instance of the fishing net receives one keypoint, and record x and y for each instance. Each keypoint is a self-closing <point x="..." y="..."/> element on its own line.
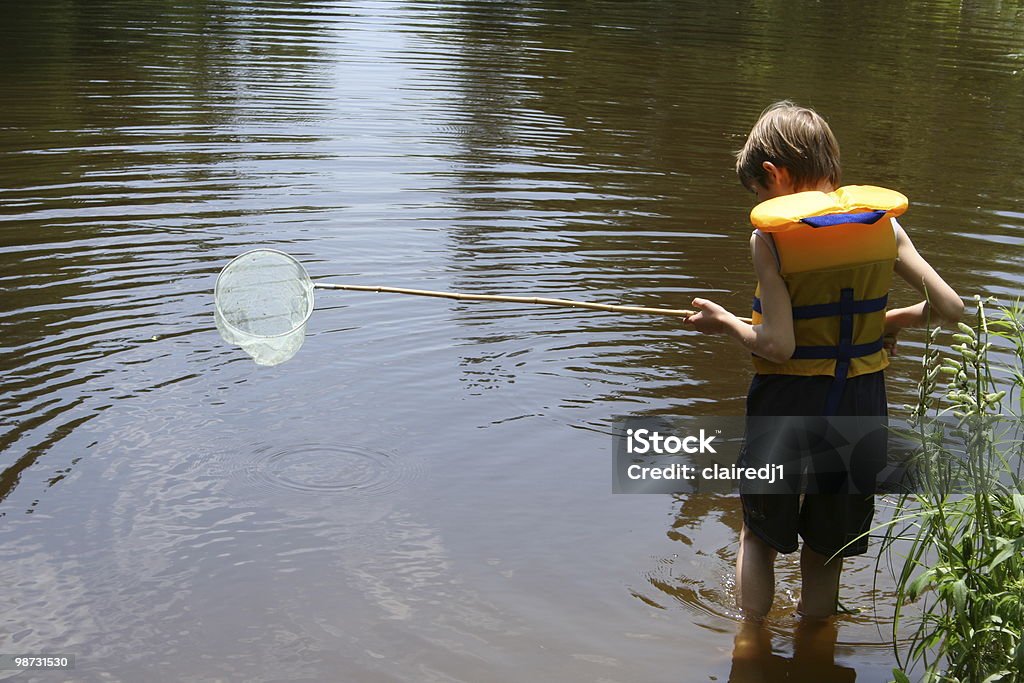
<point x="263" y="300"/>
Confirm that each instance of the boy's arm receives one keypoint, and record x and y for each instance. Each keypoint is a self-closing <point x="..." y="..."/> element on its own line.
<point x="772" y="339"/>
<point x="945" y="303"/>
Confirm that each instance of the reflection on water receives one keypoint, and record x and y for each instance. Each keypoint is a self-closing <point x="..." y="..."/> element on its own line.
<point x="812" y="659"/>
<point x="422" y="492"/>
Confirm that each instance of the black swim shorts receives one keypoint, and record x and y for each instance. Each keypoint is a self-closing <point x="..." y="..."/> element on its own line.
<point x="828" y="523"/>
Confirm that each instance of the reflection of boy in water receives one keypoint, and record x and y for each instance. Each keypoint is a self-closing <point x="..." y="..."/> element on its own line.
<point x="813" y="660"/>
<point x="823" y="364"/>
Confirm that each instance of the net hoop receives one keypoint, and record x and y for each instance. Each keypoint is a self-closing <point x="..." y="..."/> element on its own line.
<point x="247" y="255"/>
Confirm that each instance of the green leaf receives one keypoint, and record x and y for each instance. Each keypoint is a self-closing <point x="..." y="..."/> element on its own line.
<point x="960" y="594"/>
<point x="1018" y="503"/>
<point x="966" y="549"/>
<point x="899" y="677"/>
<point x="1009" y="550"/>
<point x="918" y="585"/>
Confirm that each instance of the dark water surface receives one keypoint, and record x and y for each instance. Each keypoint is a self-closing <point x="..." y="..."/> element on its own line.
<point x="423" y="493"/>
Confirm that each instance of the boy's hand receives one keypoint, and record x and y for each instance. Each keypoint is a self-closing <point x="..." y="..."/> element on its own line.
<point x="895" y="320"/>
<point x="889" y="343"/>
<point x="710" y="317"/>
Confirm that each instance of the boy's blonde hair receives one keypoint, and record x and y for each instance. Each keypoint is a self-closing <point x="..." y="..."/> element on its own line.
<point x="791" y="137"/>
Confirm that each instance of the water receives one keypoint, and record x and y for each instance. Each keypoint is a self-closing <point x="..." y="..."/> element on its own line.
<point x="423" y="492"/>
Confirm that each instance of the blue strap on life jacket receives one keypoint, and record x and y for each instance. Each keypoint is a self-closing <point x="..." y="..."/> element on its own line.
<point x="867" y="218"/>
<point x="831" y="308"/>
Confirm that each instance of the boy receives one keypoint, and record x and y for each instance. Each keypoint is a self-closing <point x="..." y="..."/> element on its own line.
<point x="823" y="259"/>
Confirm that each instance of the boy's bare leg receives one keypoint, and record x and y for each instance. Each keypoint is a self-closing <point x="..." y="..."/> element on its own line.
<point x="755" y="575"/>
<point x="819" y="584"/>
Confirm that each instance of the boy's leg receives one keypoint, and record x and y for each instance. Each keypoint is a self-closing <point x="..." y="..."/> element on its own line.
<point x="755" y="575"/>
<point x="819" y="579"/>
<point x="834" y="524"/>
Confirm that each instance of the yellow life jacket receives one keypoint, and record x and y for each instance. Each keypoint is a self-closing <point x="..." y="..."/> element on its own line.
<point x="836" y="254"/>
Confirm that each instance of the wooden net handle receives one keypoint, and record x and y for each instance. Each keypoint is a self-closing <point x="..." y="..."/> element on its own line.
<point x="540" y="301"/>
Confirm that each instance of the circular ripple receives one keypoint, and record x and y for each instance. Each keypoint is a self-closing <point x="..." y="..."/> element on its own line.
<point x="333" y="469"/>
<point x="698" y="580"/>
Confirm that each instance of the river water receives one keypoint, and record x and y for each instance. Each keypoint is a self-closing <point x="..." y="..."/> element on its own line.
<point x="423" y="493"/>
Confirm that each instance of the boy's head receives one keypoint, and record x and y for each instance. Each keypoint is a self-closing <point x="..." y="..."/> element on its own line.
<point x="793" y="138"/>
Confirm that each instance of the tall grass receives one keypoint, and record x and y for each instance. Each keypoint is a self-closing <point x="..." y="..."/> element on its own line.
<point x="957" y="543"/>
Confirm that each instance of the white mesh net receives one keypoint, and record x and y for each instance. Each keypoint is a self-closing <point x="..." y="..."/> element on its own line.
<point x="263" y="300"/>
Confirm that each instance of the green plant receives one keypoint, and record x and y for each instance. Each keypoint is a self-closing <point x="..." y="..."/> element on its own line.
<point x="963" y="527"/>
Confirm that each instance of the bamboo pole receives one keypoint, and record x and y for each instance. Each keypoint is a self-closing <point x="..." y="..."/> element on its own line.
<point x="540" y="301"/>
